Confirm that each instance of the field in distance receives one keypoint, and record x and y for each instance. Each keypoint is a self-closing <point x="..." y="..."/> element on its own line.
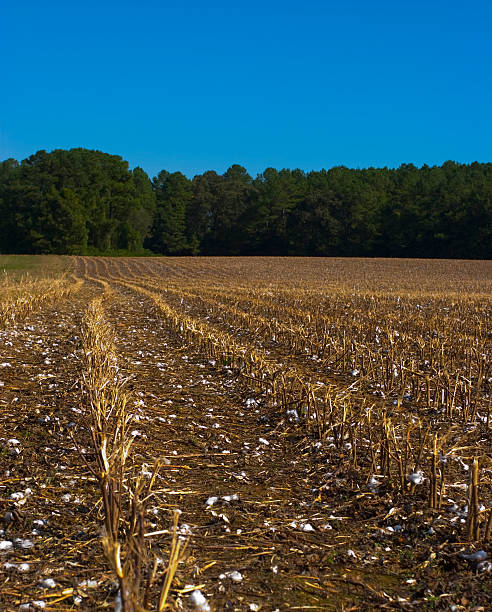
<point x="245" y="433"/>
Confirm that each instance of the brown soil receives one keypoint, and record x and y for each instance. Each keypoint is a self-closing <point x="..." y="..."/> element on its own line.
<point x="301" y="528"/>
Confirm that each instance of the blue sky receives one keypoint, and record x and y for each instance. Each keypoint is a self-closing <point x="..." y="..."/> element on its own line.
<point x="195" y="86"/>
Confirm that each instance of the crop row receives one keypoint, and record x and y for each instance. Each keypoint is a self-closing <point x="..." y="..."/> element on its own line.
<point x="382" y="347"/>
<point x="20" y="297"/>
<point x="390" y="451"/>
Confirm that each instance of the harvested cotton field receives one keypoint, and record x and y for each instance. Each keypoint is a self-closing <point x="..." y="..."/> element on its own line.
<point x="246" y="434"/>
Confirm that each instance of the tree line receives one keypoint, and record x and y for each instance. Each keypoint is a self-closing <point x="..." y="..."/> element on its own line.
<point x="80" y="201"/>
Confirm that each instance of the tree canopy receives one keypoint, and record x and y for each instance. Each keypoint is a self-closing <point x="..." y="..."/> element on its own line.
<point x="80" y="201"/>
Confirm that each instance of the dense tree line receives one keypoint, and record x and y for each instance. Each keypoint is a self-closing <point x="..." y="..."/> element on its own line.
<point x="82" y="201"/>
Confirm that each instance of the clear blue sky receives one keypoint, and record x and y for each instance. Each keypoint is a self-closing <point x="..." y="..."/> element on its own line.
<point x="201" y="85"/>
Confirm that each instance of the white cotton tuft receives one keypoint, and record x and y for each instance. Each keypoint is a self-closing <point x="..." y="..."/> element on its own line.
<point x="198" y="600"/>
<point x="416" y="478"/>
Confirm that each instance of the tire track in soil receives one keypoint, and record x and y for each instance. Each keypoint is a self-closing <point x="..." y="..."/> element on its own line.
<point x="193" y="414"/>
<point x="55" y="524"/>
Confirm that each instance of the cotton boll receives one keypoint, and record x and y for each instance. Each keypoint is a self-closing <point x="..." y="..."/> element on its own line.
<point x="197" y="599"/>
<point x="373" y="484"/>
<point x="229" y="498"/>
<point x="89" y="584"/>
<point x="234" y="575"/>
<point x="416" y="478"/>
<point x="307" y="527"/>
<point x="479" y="556"/>
<point x="6" y="545"/>
<point x="484" y="566"/>
<point x="292" y="415"/>
<point x="185" y="529"/>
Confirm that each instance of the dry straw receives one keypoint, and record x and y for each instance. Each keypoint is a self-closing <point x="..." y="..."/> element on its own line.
<point x="125" y="497"/>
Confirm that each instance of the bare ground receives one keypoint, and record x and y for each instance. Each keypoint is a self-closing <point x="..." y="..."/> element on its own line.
<point x="295" y="522"/>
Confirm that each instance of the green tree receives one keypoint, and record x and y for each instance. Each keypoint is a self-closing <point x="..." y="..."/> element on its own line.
<point x="278" y="194"/>
<point x="168" y="234"/>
